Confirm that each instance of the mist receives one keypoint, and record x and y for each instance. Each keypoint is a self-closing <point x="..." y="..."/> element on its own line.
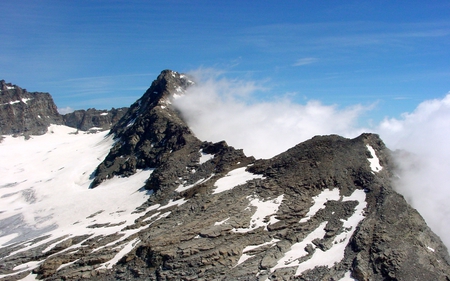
<point x="217" y="109"/>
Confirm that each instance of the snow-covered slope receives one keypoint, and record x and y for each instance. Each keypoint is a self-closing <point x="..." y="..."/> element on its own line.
<point x="44" y="189"/>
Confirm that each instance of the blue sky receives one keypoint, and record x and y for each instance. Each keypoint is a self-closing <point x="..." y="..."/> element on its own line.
<point x="389" y="54"/>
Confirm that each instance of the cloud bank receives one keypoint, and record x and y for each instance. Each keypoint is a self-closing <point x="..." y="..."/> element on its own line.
<point x="424" y="177"/>
<point x="224" y="109"/>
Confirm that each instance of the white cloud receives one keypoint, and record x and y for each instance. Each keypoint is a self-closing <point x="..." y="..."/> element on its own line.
<point x="305" y="61"/>
<point x="425" y="178"/>
<point x="221" y="109"/>
<point x="65" y="110"/>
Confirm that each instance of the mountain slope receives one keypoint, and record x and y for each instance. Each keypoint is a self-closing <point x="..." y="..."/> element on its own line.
<point x="323" y="210"/>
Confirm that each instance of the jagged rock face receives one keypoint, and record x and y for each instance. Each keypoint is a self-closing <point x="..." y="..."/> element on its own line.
<point x="92" y="118"/>
<point x="26" y="113"/>
<point x="150" y="131"/>
<point x="322" y="210"/>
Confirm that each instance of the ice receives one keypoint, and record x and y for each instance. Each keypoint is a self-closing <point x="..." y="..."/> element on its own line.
<point x="234" y="178"/>
<point x="264" y="209"/>
<point x="319" y="202"/>
<point x="374" y="161"/>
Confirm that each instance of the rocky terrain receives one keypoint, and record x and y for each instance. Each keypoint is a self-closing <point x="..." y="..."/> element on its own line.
<point x="323" y="210"/>
<point x="26" y="113"/>
<point x="94" y="119"/>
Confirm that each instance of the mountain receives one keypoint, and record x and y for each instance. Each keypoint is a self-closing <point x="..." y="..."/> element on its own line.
<point x="150" y="201"/>
<point x="94" y="119"/>
<point x="24" y="113"/>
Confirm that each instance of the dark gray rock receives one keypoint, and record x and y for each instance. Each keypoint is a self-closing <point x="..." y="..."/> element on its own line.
<point x="92" y="118"/>
<point x="25" y="113"/>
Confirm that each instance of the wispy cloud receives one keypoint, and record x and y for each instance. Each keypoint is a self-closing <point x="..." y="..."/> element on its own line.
<point x="305" y="61"/>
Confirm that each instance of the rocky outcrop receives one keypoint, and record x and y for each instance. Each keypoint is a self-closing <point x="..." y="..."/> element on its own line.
<point x="322" y="210"/>
<point x="94" y="119"/>
<point x="25" y="113"/>
<point x="150" y="131"/>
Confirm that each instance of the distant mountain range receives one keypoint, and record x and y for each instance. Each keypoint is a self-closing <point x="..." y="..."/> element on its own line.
<point x="148" y="200"/>
<point x="24" y="113"/>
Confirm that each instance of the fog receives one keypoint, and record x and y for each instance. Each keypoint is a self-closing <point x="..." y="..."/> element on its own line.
<point x="218" y="109"/>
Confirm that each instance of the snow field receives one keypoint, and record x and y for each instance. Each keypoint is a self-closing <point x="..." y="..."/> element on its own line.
<point x="45" y="182"/>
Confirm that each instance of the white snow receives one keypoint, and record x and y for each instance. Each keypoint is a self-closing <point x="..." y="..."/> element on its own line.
<point x="45" y="188"/>
<point x="331" y="256"/>
<point x="297" y="250"/>
<point x="205" y="157"/>
<point x="125" y="250"/>
<point x="182" y="188"/>
<point x="234" y="178"/>
<point x="245" y="257"/>
<point x="104" y="114"/>
<point x="319" y="202"/>
<point x="171" y="203"/>
<point x="10" y="87"/>
<point x="374" y="161"/>
<point x="347" y="277"/>
<point x="264" y="209"/>
<point x="430" y="249"/>
<point x="221" y="222"/>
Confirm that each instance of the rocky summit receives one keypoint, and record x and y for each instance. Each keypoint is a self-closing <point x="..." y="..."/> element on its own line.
<point x="323" y="210"/>
<point x="26" y="113"/>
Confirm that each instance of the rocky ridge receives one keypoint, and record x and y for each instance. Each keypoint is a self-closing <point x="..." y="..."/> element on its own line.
<point x="25" y="113"/>
<point x="323" y="210"/>
<point x="94" y="119"/>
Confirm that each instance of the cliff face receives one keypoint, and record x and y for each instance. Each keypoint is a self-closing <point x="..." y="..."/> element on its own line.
<point x="26" y="113"/>
<point x="323" y="210"/>
<point x="94" y="119"/>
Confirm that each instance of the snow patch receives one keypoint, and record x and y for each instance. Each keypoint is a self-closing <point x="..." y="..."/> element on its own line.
<point x="264" y="209"/>
<point x="205" y="157"/>
<point x="182" y="187"/>
<point x="374" y="161"/>
<point x="104" y="114"/>
<point x="221" y="222"/>
<point x="334" y="254"/>
<point x="234" y="178"/>
<point x="319" y="202"/>
<point x="347" y="277"/>
<point x="245" y="257"/>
